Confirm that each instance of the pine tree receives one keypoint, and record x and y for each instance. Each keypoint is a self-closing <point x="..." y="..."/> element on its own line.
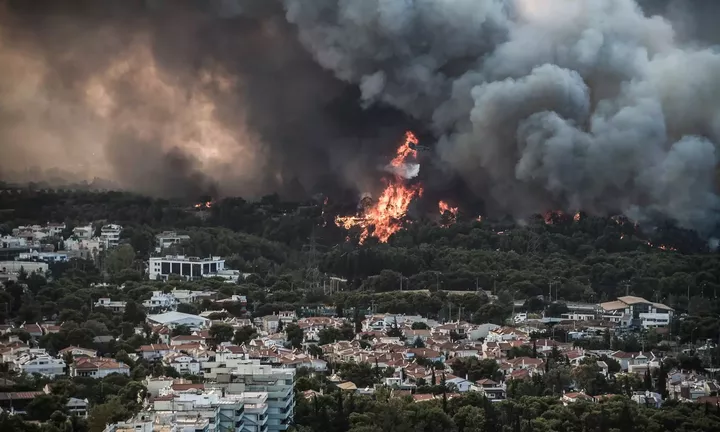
<point x="534" y="351"/>
<point x="661" y="386"/>
<point x="358" y="321"/>
<point x="647" y="381"/>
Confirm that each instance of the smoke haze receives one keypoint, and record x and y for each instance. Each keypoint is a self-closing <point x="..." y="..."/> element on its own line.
<point x="600" y="105"/>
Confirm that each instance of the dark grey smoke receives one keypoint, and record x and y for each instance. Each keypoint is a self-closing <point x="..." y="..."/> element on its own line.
<point x="577" y="104"/>
<point x="600" y="105"/>
<point x="178" y="98"/>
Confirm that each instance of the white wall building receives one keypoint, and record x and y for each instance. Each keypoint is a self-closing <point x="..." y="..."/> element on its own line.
<point x="278" y="383"/>
<point x="115" y="306"/>
<point x="41" y="364"/>
<point x="84" y="232"/>
<point x="110" y="235"/>
<point x="169" y="238"/>
<point x="27" y="266"/>
<point x="187" y="267"/>
<point x="636" y="311"/>
<point x="13" y="242"/>
<point x="161" y="301"/>
<point x="182" y="363"/>
<point x="172" y="319"/>
<point x="222" y="412"/>
<point x="48" y="257"/>
<point x="99" y="367"/>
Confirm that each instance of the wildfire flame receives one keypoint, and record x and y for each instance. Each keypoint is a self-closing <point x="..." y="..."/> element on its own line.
<point x="444" y="207"/>
<point x="384" y="217"/>
<point x="551" y="216"/>
<point x="207" y="204"/>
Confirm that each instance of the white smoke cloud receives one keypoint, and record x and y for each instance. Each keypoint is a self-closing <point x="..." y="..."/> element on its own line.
<point x="583" y="104"/>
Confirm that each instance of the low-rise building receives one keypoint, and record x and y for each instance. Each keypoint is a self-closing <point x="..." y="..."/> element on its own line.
<point x="107" y="303"/>
<point x="174" y="319"/>
<point x="43" y="364"/>
<point x="161" y="301"/>
<point x="160" y="268"/>
<point x="634" y="311"/>
<point x="98" y="367"/>
<point x="168" y="238"/>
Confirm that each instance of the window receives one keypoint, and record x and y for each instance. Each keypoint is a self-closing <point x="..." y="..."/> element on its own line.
<point x="175" y="268"/>
<point x="186" y="269"/>
<point x="197" y="269"/>
<point x="165" y="268"/>
<point x="213" y="267"/>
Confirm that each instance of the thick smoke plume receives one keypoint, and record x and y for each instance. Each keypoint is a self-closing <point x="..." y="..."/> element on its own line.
<point x="599" y="105"/>
<point x="176" y="98"/>
<point x="578" y="104"/>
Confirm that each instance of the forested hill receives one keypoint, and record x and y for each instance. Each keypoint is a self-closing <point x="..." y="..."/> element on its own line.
<point x="586" y="258"/>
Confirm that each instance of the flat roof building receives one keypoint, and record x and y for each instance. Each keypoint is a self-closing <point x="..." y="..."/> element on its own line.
<point x="160" y="268"/>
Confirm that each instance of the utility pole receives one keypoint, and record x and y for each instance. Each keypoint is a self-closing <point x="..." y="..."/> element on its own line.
<point x="626" y="284"/>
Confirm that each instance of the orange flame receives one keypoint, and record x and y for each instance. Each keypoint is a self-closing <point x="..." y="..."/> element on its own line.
<point x="577" y="217"/>
<point x="551" y="216"/>
<point x="207" y="204"/>
<point x="384" y="218"/>
<point x="444" y="207"/>
<point x="405" y="151"/>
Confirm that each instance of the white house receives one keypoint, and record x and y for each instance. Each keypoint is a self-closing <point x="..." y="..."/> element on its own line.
<point x="83" y="232"/>
<point x="154" y="351"/>
<point x="182" y="363"/>
<point x="161" y="301"/>
<point x="115" y="306"/>
<point x="98" y="367"/>
<point x="41" y="364"/>
<point x="169" y="238"/>
<point x="462" y="384"/>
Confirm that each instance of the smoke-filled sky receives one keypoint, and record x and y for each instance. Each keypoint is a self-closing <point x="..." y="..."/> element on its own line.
<point x="600" y="105"/>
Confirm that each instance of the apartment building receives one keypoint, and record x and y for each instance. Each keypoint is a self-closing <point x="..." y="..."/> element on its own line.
<point x="110" y="235"/>
<point x="222" y="412"/>
<point x="278" y="383"/>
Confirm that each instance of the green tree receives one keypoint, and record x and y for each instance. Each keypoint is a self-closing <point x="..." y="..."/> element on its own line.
<point x="42" y="407"/>
<point x="101" y="415"/>
<point x="294" y="335"/>
<point x="221" y="333"/>
<point x="119" y="259"/>
<point x="244" y="335"/>
<point x="181" y="330"/>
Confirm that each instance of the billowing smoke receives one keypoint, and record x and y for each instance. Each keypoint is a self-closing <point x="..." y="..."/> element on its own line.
<point x="178" y="98"/>
<point x="538" y="103"/>
<point x="598" y="105"/>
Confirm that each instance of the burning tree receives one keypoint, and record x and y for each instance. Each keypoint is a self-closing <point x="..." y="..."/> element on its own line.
<point x="385" y="217"/>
